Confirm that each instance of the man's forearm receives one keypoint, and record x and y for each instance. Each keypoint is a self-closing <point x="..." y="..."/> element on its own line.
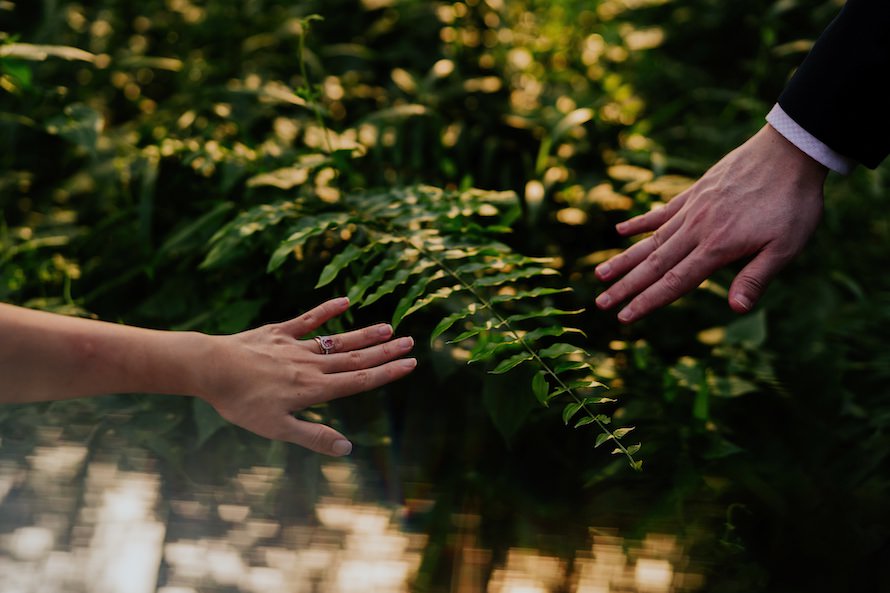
<point x="47" y="357"/>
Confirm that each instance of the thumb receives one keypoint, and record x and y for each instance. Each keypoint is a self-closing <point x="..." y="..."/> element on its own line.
<point x="750" y="284"/>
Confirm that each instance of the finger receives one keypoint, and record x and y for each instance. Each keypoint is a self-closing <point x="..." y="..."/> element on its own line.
<point x="315" y="437"/>
<point x="314" y="318"/>
<point x="750" y="284"/>
<point x="677" y="281"/>
<point x="353" y="340"/>
<point x="651" y="220"/>
<point x="631" y="257"/>
<point x="648" y="272"/>
<point x="368" y="357"/>
<point x="348" y="383"/>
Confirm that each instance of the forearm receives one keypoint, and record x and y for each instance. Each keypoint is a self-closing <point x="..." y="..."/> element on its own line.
<point x="48" y="357"/>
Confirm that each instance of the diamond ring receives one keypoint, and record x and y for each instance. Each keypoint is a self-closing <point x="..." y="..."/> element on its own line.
<point x="326" y="343"/>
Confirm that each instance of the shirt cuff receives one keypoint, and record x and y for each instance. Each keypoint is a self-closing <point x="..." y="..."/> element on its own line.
<point x="809" y="144"/>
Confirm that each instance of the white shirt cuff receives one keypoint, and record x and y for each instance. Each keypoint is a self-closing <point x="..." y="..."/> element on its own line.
<point x="809" y="144"/>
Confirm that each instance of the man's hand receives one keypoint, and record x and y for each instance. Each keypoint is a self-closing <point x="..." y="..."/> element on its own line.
<point x="764" y="199"/>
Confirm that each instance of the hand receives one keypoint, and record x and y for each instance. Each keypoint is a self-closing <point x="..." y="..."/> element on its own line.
<point x="260" y="377"/>
<point x="764" y="199"/>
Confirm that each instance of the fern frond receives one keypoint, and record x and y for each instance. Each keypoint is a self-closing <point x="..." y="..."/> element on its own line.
<point x="426" y="246"/>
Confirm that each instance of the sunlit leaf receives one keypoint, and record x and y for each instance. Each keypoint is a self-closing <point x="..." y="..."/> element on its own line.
<point x="620" y="432"/>
<point x="512" y="362"/>
<point x="29" y="51"/>
<point x="561" y="349"/>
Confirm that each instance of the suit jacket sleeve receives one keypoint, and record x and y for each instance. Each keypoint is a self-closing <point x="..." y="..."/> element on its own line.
<point x="839" y="92"/>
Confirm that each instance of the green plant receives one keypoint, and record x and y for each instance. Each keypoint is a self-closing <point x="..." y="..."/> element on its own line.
<point x="431" y="246"/>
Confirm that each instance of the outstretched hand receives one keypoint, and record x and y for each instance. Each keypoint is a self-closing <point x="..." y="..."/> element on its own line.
<point x="763" y="200"/>
<point x="261" y="377"/>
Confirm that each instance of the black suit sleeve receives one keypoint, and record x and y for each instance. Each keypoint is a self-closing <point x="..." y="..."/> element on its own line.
<point x="839" y="93"/>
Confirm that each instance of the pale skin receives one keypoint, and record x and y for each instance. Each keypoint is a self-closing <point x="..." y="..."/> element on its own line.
<point x="256" y="379"/>
<point x="761" y="201"/>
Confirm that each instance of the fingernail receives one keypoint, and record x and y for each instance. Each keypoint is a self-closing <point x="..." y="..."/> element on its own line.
<point x="603" y="300"/>
<point x="384" y="330"/>
<point x="342" y="302"/>
<point x="626" y="315"/>
<point x="604" y="270"/>
<point x="408" y="363"/>
<point x="341" y="447"/>
<point x="743" y="301"/>
<point x="621" y="226"/>
<point x="405" y="343"/>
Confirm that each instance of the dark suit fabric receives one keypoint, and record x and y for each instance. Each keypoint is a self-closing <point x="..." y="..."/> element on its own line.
<point x="840" y="92"/>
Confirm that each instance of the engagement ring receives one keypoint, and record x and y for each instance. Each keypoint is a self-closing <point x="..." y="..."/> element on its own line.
<point x="326" y="343"/>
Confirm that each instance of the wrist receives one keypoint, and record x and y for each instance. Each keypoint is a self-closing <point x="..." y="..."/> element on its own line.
<point x="792" y="159"/>
<point x="190" y="364"/>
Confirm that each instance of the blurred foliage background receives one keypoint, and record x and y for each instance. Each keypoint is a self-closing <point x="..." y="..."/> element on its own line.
<point x="130" y="133"/>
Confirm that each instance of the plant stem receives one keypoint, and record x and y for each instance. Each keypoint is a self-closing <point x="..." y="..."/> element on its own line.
<point x="486" y="304"/>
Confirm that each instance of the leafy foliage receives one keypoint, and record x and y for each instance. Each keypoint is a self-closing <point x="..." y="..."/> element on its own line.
<point x="428" y="246"/>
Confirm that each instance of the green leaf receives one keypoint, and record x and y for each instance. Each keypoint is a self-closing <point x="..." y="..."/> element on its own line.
<point x="572" y="120"/>
<point x="550" y="331"/>
<point x="602" y="438"/>
<point x="507" y="408"/>
<point x="439" y="294"/>
<point x="528" y="294"/>
<point x="306" y="229"/>
<point x="340" y="261"/>
<point x="39" y="53"/>
<point x="749" y="330"/>
<point x="570" y="410"/>
<point x="620" y="432"/>
<point x="384" y="266"/>
<point x="507" y="277"/>
<point x="512" y="362"/>
<point x="545" y="312"/>
<point x="407" y="302"/>
<point x="584" y="421"/>
<point x="598" y="400"/>
<point x="581" y="384"/>
<point x="571" y="365"/>
<point x="446" y="323"/>
<point x="399" y="278"/>
<point x="466" y="335"/>
<point x="561" y="349"/>
<point x="540" y="387"/>
<point x="632" y="450"/>
<point x="496" y="347"/>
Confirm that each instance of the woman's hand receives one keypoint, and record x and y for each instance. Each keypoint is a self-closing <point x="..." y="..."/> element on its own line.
<point x="257" y="379"/>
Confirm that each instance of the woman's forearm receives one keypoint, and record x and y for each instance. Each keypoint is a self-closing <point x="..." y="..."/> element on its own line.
<point x="44" y="356"/>
<point x="256" y="379"/>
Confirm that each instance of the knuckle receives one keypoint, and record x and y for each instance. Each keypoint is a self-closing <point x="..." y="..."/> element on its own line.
<point x="356" y="357"/>
<point x="363" y="379"/>
<point x="752" y="283"/>
<point x="673" y="282"/>
<point x="656" y="262"/>
<point x="658" y="239"/>
<point x="316" y="439"/>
